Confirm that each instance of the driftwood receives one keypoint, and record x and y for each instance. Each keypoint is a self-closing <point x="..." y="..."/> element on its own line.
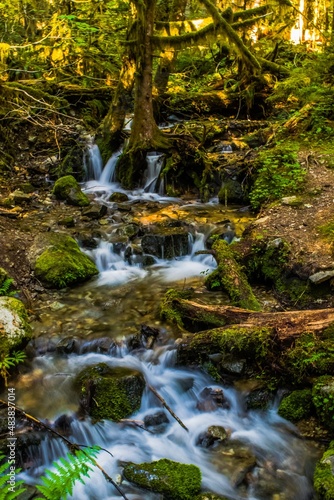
<point x="167" y="407"/>
<point x="288" y="324"/>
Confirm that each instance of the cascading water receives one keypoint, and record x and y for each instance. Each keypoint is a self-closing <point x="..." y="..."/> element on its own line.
<point x="154" y="165"/>
<point x="108" y="174"/>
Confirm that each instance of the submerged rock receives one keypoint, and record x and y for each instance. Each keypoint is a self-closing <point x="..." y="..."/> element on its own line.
<point x="15" y="331"/>
<point x="110" y="393"/>
<point x="173" y="480"/>
<point x="58" y="261"/>
<point x="67" y="188"/>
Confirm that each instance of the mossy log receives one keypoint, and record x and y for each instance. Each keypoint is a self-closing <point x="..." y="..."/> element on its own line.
<point x="287" y="325"/>
<point x="229" y="277"/>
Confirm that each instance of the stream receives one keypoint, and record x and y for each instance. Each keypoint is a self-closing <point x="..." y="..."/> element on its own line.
<point x="263" y="458"/>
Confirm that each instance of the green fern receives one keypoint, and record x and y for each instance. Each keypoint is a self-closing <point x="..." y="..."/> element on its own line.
<point x="6" y="490"/>
<point x="8" y="362"/>
<point x="59" y="484"/>
<point x="5" y="288"/>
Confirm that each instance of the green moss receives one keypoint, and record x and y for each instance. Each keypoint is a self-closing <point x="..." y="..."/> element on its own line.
<point x="170" y="313"/>
<point x="309" y="356"/>
<point x="323" y="400"/>
<point x="175" y="481"/>
<point x="230" y="277"/>
<point x="66" y="188"/>
<point x="63" y="264"/>
<point x="110" y="393"/>
<point x="15" y="329"/>
<point x="296" y="405"/>
<point x="323" y="476"/>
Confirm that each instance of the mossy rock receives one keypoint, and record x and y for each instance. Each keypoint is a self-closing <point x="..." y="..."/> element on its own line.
<point x="118" y="197"/>
<point x="15" y="330"/>
<point x="296" y="406"/>
<point x="62" y="263"/>
<point x="67" y="188"/>
<point x="323" y="478"/>
<point x="170" y="313"/>
<point x="110" y="393"/>
<point x="231" y="192"/>
<point x="323" y="400"/>
<point x="175" y="481"/>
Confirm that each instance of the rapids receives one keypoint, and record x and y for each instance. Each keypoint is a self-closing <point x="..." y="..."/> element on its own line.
<point x="263" y="458"/>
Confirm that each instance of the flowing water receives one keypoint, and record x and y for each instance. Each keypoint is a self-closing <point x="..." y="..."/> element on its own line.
<point x="263" y="457"/>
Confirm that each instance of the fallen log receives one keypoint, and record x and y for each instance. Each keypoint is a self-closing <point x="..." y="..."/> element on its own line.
<point x="197" y="317"/>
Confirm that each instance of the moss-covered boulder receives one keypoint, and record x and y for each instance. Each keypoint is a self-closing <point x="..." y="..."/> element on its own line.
<point x="58" y="261"/>
<point x="15" y="331"/>
<point x="67" y="188"/>
<point x="109" y="393"/>
<point x="296" y="406"/>
<point x="323" y="400"/>
<point x="323" y="478"/>
<point x="173" y="480"/>
<point x="230" y="277"/>
<point x="118" y="197"/>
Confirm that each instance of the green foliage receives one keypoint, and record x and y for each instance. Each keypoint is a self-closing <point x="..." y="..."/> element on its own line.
<point x="278" y="173"/>
<point x="296" y="405"/>
<point x="8" y="492"/>
<point x="58" y="484"/>
<point x="8" y="362"/>
<point x="323" y="400"/>
<point x="5" y="288"/>
<point x="323" y="475"/>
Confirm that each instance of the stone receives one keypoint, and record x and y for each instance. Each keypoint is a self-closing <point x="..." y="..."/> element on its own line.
<point x="18" y="197"/>
<point x="95" y="211"/>
<point x="172" y="479"/>
<point x="15" y="330"/>
<point x="109" y="393"/>
<point x="67" y="188"/>
<point x="321" y="277"/>
<point x="166" y="246"/>
<point x="118" y="197"/>
<point x="292" y="201"/>
<point x="157" y="419"/>
<point x="231" y="192"/>
<point x="58" y="261"/>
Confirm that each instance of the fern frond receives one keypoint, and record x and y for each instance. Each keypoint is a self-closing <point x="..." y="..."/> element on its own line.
<point x="58" y="484"/>
<point x="5" y="486"/>
<point x="5" y="286"/>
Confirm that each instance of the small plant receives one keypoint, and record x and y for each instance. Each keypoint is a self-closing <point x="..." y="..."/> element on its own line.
<point x="8" y="491"/>
<point x="5" y="288"/>
<point x="8" y="362"/>
<point x="278" y="173"/>
<point x="58" y="484"/>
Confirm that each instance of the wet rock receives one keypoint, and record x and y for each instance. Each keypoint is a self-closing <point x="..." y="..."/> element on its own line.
<point x="95" y="211"/>
<point x="166" y="246"/>
<point x="14" y="325"/>
<point x="18" y="197"/>
<point x="58" y="261"/>
<point x="67" y="222"/>
<point x="143" y="340"/>
<point x="157" y="419"/>
<point x="211" y="399"/>
<point x="233" y="366"/>
<point x="63" y="424"/>
<point x="148" y="260"/>
<point x="118" y="197"/>
<point x="172" y="479"/>
<point x="259" y="399"/>
<point x="226" y="233"/>
<point x="130" y="230"/>
<point x="67" y="188"/>
<point x="324" y="474"/>
<point x="68" y="345"/>
<point x="109" y="393"/>
<point x="102" y="345"/>
<point x="235" y="460"/>
<point x="296" y="406"/>
<point x="213" y="434"/>
<point x="231" y="192"/>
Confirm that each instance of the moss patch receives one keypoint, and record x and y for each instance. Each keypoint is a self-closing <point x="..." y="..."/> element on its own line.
<point x="167" y="311"/>
<point x="323" y="476"/>
<point x="66" y="188"/>
<point x="15" y="330"/>
<point x="110" y="393"/>
<point x="174" y="480"/>
<point x="296" y="406"/>
<point x="323" y="400"/>
<point x="63" y="263"/>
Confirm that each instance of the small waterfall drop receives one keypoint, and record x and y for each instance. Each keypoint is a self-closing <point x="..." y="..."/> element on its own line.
<point x="154" y="164"/>
<point x="93" y="161"/>
<point x="108" y="174"/>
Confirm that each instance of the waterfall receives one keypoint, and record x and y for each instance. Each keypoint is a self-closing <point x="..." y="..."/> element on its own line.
<point x="108" y="174"/>
<point x="94" y="163"/>
<point x="154" y="163"/>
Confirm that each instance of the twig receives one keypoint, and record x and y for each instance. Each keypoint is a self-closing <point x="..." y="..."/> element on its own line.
<point x="72" y="446"/>
<point x="167" y="407"/>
